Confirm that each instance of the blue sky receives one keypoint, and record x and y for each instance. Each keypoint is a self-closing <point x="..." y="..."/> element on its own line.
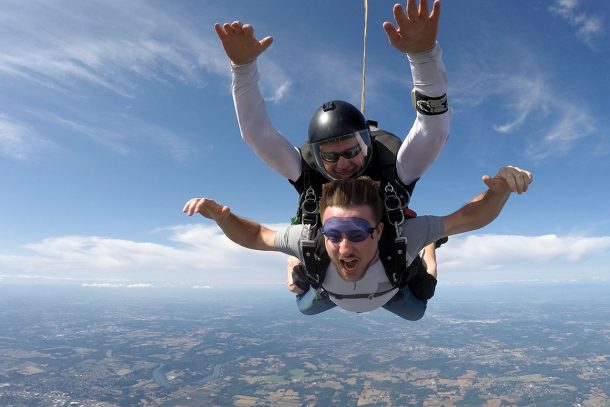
<point x="113" y="114"/>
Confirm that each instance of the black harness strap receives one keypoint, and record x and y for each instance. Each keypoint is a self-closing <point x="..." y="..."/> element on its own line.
<point x="393" y="253"/>
<point x="396" y="197"/>
<point x="310" y="239"/>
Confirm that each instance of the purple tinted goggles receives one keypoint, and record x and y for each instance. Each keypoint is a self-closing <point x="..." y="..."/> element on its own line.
<point x="355" y="229"/>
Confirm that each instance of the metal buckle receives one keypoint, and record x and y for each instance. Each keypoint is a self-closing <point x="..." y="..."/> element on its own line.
<point x="309" y="207"/>
<point x="393" y="207"/>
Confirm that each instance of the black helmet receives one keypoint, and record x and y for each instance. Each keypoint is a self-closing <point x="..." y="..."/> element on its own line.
<point x="336" y="121"/>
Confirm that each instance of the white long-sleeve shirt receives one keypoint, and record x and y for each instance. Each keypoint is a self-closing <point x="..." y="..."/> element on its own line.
<point x="420" y="148"/>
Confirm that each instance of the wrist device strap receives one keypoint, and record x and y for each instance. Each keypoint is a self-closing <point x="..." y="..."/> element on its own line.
<point x="427" y="105"/>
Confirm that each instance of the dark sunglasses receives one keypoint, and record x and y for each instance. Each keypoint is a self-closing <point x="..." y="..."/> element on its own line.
<point x="354" y="229"/>
<point x="334" y="157"/>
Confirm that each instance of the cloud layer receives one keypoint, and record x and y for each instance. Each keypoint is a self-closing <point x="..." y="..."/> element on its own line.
<point x="201" y="255"/>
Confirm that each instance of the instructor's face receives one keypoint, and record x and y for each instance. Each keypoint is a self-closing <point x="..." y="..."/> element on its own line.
<point x="344" y="158"/>
<point x="352" y="258"/>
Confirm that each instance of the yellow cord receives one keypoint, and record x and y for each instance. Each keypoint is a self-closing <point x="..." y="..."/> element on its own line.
<point x="366" y="17"/>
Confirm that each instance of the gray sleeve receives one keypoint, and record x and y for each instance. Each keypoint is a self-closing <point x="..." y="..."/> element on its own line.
<point x="421" y="231"/>
<point x="287" y="241"/>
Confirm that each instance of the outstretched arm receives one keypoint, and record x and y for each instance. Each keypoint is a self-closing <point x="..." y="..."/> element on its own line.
<point x="242" y="231"/>
<point x="486" y="207"/>
<point x="415" y="33"/>
<point x="255" y="126"/>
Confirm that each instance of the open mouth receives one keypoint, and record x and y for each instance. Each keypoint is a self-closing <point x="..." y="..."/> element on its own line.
<point x="349" y="264"/>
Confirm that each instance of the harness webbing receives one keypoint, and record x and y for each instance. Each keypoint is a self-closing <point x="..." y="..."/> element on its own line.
<point x="393" y="253"/>
<point x="392" y="246"/>
<point x="369" y="296"/>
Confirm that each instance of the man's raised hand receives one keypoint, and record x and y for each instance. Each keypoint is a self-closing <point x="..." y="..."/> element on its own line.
<point x="239" y="42"/>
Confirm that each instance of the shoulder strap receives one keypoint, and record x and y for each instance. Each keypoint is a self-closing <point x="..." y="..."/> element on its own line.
<point x="315" y="258"/>
<point x="309" y="186"/>
<point x="383" y="165"/>
<point x="396" y="195"/>
<point x="310" y="180"/>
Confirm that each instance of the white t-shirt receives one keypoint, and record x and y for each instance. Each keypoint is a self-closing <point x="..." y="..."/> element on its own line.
<point x="374" y="281"/>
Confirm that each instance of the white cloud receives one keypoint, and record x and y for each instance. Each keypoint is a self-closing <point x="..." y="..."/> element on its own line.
<point x="533" y="97"/>
<point x="106" y="137"/>
<point x="587" y="26"/>
<point x="495" y="251"/>
<point x="571" y="125"/>
<point x="23" y="141"/>
<point x="79" y="60"/>
<point x="201" y="256"/>
<point x="125" y="42"/>
<point x="17" y="140"/>
<point x="123" y="132"/>
<point x="116" y="285"/>
<point x="534" y="103"/>
<point x="275" y="84"/>
<point x="110" y="51"/>
<point x="537" y="110"/>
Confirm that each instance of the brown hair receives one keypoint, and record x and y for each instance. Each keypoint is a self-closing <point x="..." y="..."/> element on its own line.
<point x="361" y="191"/>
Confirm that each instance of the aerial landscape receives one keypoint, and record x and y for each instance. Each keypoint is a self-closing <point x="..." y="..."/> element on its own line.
<point x="100" y="347"/>
<point x="147" y="147"/>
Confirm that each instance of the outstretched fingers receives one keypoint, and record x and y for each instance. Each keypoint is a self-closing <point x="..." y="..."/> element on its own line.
<point x="207" y="208"/>
<point x="220" y="31"/>
<point x="234" y="28"/>
<point x="392" y="32"/>
<point x="197" y="205"/>
<point x="238" y="28"/>
<point x="415" y="11"/>
<point x="436" y="11"/>
<point x="239" y="42"/>
<point x="400" y="16"/>
<point x="227" y="29"/>
<point x="189" y="206"/>
<point x="416" y="27"/>
<point x="412" y="9"/>
<point x="423" y="10"/>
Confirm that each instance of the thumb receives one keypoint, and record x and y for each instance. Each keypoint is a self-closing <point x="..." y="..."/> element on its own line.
<point x="265" y="42"/>
<point x="391" y="32"/>
<point x="488" y="181"/>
